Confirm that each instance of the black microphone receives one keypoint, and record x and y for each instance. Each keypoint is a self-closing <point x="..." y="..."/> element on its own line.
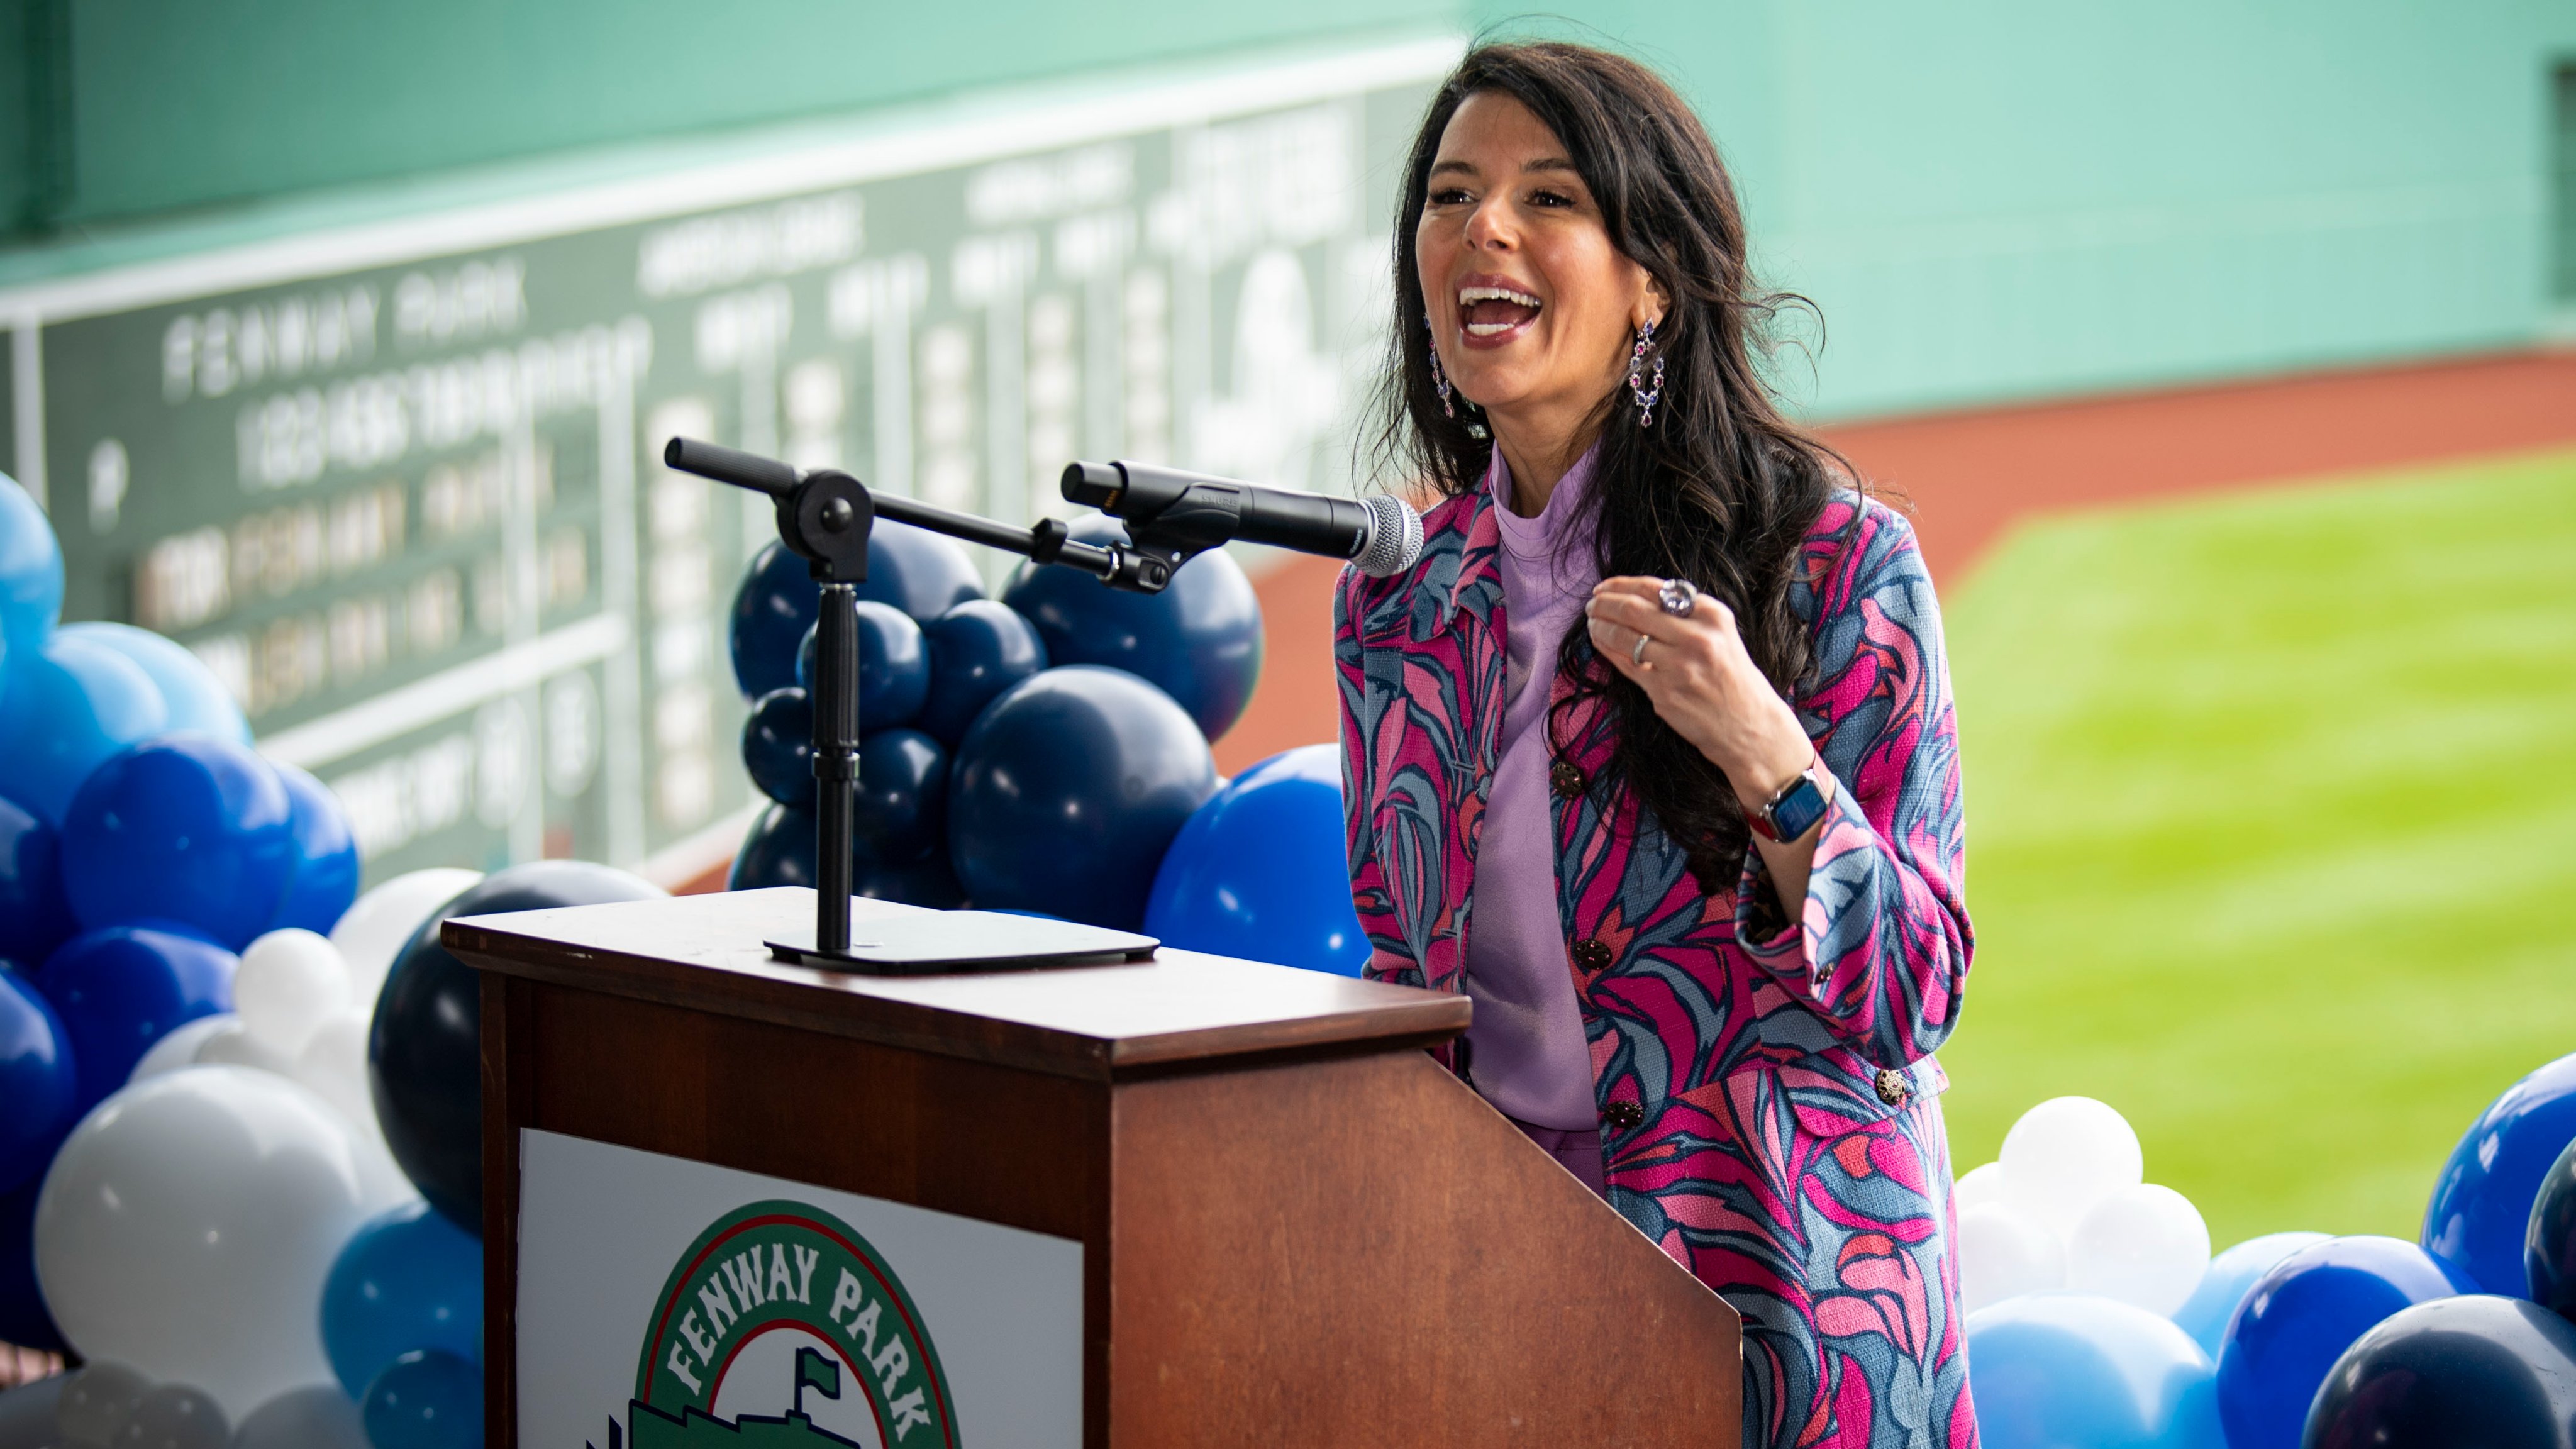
<point x="1380" y="535"/>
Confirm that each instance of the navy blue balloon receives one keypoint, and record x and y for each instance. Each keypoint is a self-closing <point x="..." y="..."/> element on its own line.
<point x="772" y="608"/>
<point x="121" y="989"/>
<point x="922" y="883"/>
<point x="66" y="704"/>
<point x="977" y="650"/>
<point x="325" y="879"/>
<point x="1199" y="640"/>
<point x="778" y="850"/>
<point x="2476" y="1370"/>
<point x="2481" y="1207"/>
<point x="31" y="571"/>
<point x="39" y="1083"/>
<point x="409" y="1279"/>
<point x="2225" y="1282"/>
<point x="2549" y="1243"/>
<point x="2301" y="1316"/>
<point x="1261" y="871"/>
<point x="778" y="746"/>
<point x="198" y="702"/>
<point x="1067" y="792"/>
<point x="426" y="1399"/>
<point x="425" y="1048"/>
<point x="23" y="1318"/>
<point x="2056" y="1370"/>
<point x="186" y="828"/>
<point x="901" y="811"/>
<point x="894" y="667"/>
<point x="917" y="573"/>
<point x="34" y="917"/>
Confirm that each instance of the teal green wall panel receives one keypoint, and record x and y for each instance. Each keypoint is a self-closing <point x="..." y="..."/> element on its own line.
<point x="185" y="104"/>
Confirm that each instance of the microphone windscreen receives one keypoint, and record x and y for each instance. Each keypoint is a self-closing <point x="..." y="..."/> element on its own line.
<point x="1395" y="537"/>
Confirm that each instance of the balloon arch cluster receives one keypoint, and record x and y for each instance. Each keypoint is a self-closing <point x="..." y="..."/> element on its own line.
<point x="239" y="1102"/>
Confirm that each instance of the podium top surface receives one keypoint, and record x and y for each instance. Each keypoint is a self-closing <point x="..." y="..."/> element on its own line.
<point x="707" y="953"/>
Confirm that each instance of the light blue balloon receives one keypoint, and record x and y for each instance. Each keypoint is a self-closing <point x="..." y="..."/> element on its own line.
<point x="65" y="706"/>
<point x="197" y="700"/>
<point x="1261" y="871"/>
<point x="2052" y="1370"/>
<point x="2229" y="1277"/>
<point x="409" y="1279"/>
<point x="31" y="570"/>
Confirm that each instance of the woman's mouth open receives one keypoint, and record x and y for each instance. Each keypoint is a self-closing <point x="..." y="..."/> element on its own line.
<point x="1492" y="314"/>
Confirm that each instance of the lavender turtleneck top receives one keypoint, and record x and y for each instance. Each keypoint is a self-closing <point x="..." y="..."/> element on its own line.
<point x="1529" y="1057"/>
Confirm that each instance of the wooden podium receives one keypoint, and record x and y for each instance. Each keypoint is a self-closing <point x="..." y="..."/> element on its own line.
<point x="1278" y="1220"/>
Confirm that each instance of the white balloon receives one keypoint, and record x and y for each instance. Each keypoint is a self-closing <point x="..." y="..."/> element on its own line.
<point x="317" y="1416"/>
<point x="189" y="1221"/>
<point x="1981" y="1184"/>
<point x="234" y="1046"/>
<point x="334" y="1064"/>
<point x="2144" y="1245"/>
<point x="2065" y="1155"/>
<point x="97" y="1401"/>
<point x="2005" y="1252"/>
<point x="289" y="982"/>
<point x="376" y="926"/>
<point x="175" y="1416"/>
<point x="178" y="1047"/>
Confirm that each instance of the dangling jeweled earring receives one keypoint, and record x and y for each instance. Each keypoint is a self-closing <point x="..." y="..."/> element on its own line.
<point x="1439" y="379"/>
<point x="1639" y="392"/>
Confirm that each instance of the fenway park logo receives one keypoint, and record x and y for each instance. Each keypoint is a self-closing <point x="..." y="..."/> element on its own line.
<point x="781" y="1328"/>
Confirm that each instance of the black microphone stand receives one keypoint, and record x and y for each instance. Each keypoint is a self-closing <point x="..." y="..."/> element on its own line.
<point x="824" y="518"/>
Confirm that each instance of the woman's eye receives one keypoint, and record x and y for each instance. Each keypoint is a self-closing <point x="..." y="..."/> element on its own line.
<point x="1550" y="198"/>
<point x="1448" y="196"/>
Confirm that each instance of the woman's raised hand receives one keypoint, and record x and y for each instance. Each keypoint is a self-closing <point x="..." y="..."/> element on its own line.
<point x="1702" y="682"/>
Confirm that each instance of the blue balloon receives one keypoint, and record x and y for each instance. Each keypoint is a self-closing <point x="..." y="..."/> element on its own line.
<point x="197" y="701"/>
<point x="1067" y="792"/>
<point x="917" y="573"/>
<point x="772" y="609"/>
<point x="2300" y="1317"/>
<point x="2549" y="1245"/>
<point x="426" y="1399"/>
<point x="778" y="850"/>
<point x="34" y="917"/>
<point x="121" y="989"/>
<point x="31" y="570"/>
<point x="38" y="1082"/>
<point x="2473" y="1370"/>
<point x="2052" y="1370"/>
<point x="23" y="1319"/>
<point x="778" y="746"/>
<point x="187" y="829"/>
<point x="1199" y="639"/>
<point x="2229" y="1277"/>
<point x="1261" y="871"/>
<point x="977" y="650"/>
<point x="425" y="1045"/>
<point x="325" y="880"/>
<point x="921" y="883"/>
<point x="901" y="813"/>
<point x="65" y="706"/>
<point x="409" y="1279"/>
<point x="894" y="667"/>
<point x="2481" y="1205"/>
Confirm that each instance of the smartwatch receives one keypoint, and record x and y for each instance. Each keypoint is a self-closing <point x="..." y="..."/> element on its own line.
<point x="1798" y="806"/>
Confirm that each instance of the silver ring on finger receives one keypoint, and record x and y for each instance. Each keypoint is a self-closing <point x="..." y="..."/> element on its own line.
<point x="1637" y="651"/>
<point x="1680" y="597"/>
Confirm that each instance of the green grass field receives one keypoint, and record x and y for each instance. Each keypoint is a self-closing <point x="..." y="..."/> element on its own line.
<point x="2272" y="830"/>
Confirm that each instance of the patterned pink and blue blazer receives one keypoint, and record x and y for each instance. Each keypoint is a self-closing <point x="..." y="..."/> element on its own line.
<point x="1770" y="1105"/>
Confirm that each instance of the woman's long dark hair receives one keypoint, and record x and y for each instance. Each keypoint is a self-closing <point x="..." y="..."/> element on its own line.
<point x="1721" y="488"/>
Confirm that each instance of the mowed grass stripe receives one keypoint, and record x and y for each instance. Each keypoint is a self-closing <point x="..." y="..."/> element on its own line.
<point x="2272" y="830"/>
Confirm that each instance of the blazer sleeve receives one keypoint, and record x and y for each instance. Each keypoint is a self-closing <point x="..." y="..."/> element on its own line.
<point x="1880" y="950"/>
<point x="1388" y="960"/>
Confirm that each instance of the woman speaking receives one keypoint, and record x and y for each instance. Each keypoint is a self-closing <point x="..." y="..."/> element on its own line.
<point x="1652" y="752"/>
